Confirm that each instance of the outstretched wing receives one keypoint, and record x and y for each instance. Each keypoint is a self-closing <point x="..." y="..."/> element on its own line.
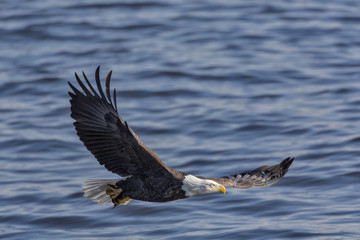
<point x="107" y="136"/>
<point x="260" y="177"/>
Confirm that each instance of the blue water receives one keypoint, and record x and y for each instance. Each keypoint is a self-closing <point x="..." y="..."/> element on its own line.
<point x="213" y="87"/>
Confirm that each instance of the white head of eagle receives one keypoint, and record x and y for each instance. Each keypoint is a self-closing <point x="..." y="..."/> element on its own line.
<point x="193" y="186"/>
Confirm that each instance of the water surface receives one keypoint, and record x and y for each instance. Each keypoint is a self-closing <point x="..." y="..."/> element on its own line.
<point x="214" y="88"/>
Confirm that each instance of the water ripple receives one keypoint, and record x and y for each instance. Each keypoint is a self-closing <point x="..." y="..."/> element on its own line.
<point x="214" y="88"/>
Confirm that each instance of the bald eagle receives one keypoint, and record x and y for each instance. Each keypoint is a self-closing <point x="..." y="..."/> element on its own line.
<point x="144" y="176"/>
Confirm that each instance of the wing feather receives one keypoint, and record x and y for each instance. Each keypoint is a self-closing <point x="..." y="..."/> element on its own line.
<point x="260" y="177"/>
<point x="110" y="139"/>
<point x="107" y="84"/>
<point x="90" y="86"/>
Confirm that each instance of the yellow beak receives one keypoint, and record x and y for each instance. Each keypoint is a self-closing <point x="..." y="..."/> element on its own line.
<point x="222" y="189"/>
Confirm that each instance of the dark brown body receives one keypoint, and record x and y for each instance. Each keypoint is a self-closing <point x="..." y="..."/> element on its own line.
<point x="148" y="189"/>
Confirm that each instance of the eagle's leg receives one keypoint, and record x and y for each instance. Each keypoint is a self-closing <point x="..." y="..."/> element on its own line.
<point x="121" y="200"/>
<point x="113" y="191"/>
<point x="115" y="194"/>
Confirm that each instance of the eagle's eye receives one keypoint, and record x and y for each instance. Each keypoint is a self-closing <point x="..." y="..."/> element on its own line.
<point x="212" y="185"/>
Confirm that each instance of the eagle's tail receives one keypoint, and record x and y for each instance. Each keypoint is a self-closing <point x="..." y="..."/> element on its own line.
<point x="101" y="191"/>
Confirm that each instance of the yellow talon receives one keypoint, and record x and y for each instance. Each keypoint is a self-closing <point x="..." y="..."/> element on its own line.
<point x="112" y="191"/>
<point x="123" y="200"/>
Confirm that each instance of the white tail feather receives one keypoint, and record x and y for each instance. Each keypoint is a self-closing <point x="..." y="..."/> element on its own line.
<point x="96" y="190"/>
